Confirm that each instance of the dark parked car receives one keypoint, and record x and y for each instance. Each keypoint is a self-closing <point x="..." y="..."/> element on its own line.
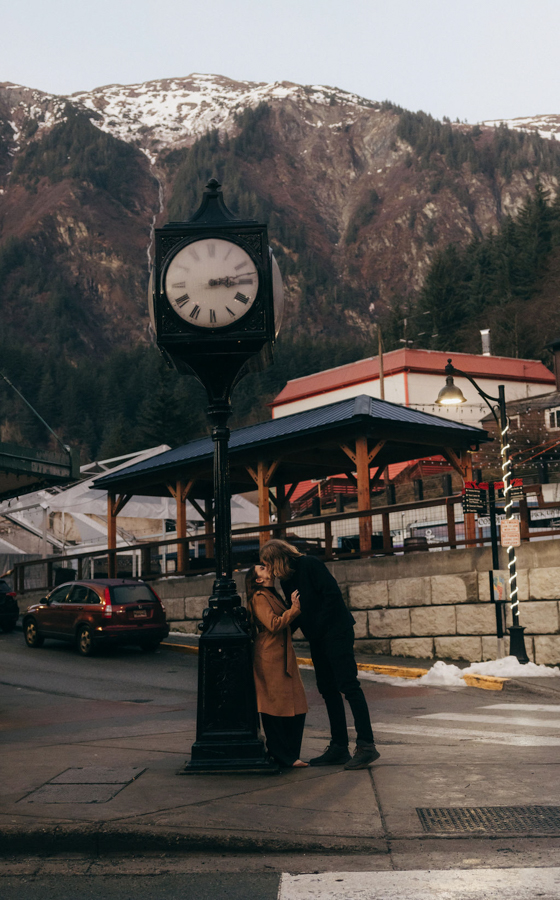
<point x="9" y="612"/>
<point x="98" y="613"/>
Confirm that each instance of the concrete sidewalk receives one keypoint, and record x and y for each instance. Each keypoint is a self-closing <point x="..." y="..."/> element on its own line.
<point x="113" y="787"/>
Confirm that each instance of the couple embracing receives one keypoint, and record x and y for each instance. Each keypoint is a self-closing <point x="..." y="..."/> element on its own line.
<point x="314" y="603"/>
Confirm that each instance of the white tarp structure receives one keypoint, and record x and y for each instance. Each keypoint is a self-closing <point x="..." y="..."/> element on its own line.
<point x="75" y="518"/>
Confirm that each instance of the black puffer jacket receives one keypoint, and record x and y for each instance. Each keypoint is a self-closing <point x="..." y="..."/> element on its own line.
<point x="322" y="604"/>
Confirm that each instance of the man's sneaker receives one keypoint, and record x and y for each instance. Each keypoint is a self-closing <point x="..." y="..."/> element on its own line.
<point x="334" y="755"/>
<point x="364" y="754"/>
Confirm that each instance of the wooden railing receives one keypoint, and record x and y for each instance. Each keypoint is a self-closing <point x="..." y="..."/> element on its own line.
<point x="296" y="530"/>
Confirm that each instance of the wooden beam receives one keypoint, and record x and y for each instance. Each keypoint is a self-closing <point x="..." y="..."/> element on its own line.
<point x="264" y="509"/>
<point x="182" y="549"/>
<point x="290" y="493"/>
<point x="271" y="470"/>
<point x="455" y="461"/>
<point x="202" y="512"/>
<point x="467" y="469"/>
<point x="348" y="452"/>
<point x="119" y="503"/>
<point x="253" y="474"/>
<point x="373" y="453"/>
<point x="364" y="496"/>
<point x="377" y="477"/>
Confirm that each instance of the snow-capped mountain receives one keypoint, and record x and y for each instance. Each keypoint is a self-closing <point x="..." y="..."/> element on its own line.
<point x="168" y="113"/>
<point x="359" y="194"/>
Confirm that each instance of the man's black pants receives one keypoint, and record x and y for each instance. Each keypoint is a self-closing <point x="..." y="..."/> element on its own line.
<point x="336" y="673"/>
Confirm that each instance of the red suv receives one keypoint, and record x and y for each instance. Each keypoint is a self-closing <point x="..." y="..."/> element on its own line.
<point x="98" y="613"/>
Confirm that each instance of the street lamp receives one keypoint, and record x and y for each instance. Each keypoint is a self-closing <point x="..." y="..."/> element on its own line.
<point x="451" y="395"/>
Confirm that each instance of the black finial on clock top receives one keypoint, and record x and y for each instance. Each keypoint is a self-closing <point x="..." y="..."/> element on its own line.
<point x="212" y="210"/>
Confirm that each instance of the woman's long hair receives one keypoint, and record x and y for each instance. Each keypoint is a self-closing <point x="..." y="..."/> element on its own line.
<point x="278" y="555"/>
<point x="251" y="585"/>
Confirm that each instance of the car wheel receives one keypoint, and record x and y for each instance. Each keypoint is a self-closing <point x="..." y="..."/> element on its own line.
<point x="31" y="633"/>
<point x="150" y="646"/>
<point x="85" y="641"/>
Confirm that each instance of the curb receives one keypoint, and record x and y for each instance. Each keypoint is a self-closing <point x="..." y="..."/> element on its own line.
<point x="106" y="840"/>
<point x="484" y="682"/>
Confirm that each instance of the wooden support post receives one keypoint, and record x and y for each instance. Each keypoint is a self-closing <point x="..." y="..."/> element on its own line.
<point x="80" y="568"/>
<point x="264" y="509"/>
<point x="114" y="506"/>
<point x="451" y="536"/>
<point x="49" y="575"/>
<point x="180" y="492"/>
<point x="470" y="527"/>
<point x="364" y="498"/>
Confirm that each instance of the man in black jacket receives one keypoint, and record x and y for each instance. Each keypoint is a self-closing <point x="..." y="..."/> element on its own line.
<point x="327" y="624"/>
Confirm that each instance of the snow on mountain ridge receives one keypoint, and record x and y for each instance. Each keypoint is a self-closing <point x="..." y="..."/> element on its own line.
<point x="175" y="111"/>
<point x="548" y="126"/>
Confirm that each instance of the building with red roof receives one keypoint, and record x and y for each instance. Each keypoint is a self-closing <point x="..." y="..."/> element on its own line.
<point x="413" y="378"/>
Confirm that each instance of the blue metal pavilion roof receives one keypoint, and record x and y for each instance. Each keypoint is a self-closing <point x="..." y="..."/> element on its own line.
<point x="380" y="417"/>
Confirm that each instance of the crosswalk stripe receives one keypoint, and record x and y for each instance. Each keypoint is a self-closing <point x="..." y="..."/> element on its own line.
<point x="453" y="884"/>
<point x="466" y="734"/>
<point x="523" y="721"/>
<point x="525" y="707"/>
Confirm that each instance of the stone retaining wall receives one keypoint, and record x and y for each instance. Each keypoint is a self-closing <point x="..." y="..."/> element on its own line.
<point x="423" y="604"/>
<point x="419" y="605"/>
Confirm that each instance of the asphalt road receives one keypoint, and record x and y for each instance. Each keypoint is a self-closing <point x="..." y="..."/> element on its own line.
<point x="486" y="749"/>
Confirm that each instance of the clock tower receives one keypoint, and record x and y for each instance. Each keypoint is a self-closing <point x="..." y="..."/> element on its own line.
<point x="215" y="300"/>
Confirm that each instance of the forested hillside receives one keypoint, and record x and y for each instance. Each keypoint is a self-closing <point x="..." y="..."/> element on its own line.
<point x="376" y="216"/>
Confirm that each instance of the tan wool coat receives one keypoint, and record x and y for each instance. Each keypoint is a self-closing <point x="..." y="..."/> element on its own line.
<point x="278" y="683"/>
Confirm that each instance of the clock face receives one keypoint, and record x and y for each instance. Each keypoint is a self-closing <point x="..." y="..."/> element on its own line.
<point x="211" y="283"/>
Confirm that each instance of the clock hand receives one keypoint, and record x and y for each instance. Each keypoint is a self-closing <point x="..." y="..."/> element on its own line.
<point x="229" y="280"/>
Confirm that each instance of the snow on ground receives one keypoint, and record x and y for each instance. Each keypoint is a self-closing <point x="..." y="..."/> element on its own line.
<point x="448" y="675"/>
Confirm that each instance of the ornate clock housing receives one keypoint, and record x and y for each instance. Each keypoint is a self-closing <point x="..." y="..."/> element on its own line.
<point x="212" y="293"/>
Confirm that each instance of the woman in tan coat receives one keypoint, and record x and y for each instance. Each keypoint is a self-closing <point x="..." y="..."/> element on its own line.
<point x="280" y="693"/>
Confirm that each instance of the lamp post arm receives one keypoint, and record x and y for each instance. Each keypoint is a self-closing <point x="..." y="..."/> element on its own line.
<point x="451" y="370"/>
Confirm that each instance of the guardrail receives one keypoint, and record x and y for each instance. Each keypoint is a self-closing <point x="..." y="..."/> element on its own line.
<point x="433" y="525"/>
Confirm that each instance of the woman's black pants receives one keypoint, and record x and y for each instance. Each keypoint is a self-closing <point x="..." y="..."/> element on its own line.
<point x="336" y="673"/>
<point x="283" y="737"/>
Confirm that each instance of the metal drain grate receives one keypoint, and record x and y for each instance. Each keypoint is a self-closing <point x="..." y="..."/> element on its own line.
<point x="490" y="819"/>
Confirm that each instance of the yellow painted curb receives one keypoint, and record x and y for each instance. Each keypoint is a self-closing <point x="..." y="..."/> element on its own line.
<point x="485" y="682"/>
<point x="180" y="648"/>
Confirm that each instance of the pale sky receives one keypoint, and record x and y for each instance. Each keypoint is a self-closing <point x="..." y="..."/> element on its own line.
<point x="467" y="59"/>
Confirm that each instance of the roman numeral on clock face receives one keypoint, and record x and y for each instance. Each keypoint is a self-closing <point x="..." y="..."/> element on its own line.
<point x="180" y="301"/>
<point x="178" y="284"/>
<point x="232" y="314"/>
<point x="241" y="298"/>
<point x="195" y="313"/>
<point x="212" y="315"/>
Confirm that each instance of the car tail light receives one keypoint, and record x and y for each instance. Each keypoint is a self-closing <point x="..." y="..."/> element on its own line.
<point x="158" y="599"/>
<point x="107" y="608"/>
<point x="11" y="594"/>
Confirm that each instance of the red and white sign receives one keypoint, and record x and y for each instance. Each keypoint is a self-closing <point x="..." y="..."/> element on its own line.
<point x="510" y="533"/>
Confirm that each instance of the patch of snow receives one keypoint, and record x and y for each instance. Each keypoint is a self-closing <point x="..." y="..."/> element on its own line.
<point x="547" y="126"/>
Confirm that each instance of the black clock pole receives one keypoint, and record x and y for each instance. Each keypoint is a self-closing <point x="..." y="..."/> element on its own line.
<point x="227" y="719"/>
<point x="194" y="339"/>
